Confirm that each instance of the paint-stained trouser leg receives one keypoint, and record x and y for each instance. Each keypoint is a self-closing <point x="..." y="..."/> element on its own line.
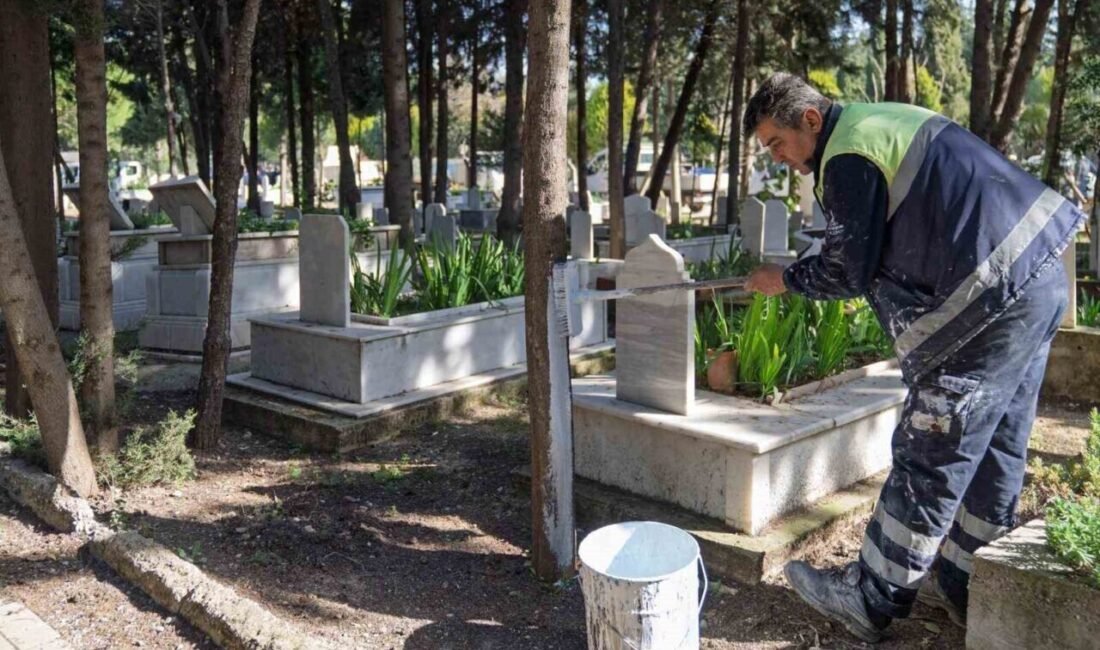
<point x="962" y="438"/>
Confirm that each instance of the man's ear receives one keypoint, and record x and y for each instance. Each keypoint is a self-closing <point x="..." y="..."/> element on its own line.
<point x="813" y="119"/>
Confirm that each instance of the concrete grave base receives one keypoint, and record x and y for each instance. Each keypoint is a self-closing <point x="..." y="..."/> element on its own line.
<point x="1022" y="597"/>
<point x="323" y="424"/>
<point x="735" y="459"/>
<point x="1073" y="369"/>
<point x="727" y="553"/>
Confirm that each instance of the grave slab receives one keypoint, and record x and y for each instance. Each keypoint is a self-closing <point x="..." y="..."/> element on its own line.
<point x="752" y="226"/>
<point x="187" y="203"/>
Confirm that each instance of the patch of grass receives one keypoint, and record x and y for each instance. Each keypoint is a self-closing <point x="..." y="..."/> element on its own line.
<point x="1073" y="532"/>
<point x="193" y="554"/>
<point x="1078" y="477"/>
<point x="388" y="475"/>
<point x="249" y="222"/>
<point x="156" y="456"/>
<point x="24" y="439"/>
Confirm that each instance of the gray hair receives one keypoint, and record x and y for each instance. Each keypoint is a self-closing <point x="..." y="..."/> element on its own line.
<point x="784" y="98"/>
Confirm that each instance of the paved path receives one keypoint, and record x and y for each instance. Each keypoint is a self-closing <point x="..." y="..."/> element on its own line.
<point x="21" y="629"/>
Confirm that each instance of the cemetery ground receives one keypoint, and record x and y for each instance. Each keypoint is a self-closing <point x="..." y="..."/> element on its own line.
<point x="415" y="542"/>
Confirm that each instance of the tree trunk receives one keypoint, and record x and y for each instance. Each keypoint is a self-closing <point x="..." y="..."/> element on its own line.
<point x="515" y="42"/>
<point x="748" y="148"/>
<point x="97" y="391"/>
<point x="676" y="124"/>
<point x="181" y="139"/>
<point x="615" y="37"/>
<point x="724" y="120"/>
<point x="291" y="116"/>
<point x="254" y="143"/>
<point x="234" y="75"/>
<point x="441" y="149"/>
<point x="26" y="133"/>
<point x="194" y="113"/>
<point x="305" y="107"/>
<point x="740" y="63"/>
<point x="36" y="347"/>
<point x="980" y="88"/>
<point x="475" y="83"/>
<point x="1068" y="11"/>
<point x="580" y="39"/>
<point x="892" y="67"/>
<point x="166" y="89"/>
<point x="552" y="552"/>
<point x="905" y="95"/>
<point x="641" y="94"/>
<point x="424" y="94"/>
<point x="999" y="11"/>
<point x="1001" y="132"/>
<point x="398" y="189"/>
<point x="1009" y="57"/>
<point x="349" y="189"/>
<point x="206" y="101"/>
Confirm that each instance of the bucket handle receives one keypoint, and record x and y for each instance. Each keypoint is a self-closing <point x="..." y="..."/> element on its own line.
<point x="704" y="583"/>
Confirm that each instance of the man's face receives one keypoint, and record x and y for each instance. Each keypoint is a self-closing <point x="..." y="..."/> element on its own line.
<point x="793" y="147"/>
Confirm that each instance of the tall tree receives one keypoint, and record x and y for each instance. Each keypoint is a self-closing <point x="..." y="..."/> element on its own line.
<point x="443" y="14"/>
<point x="905" y="94"/>
<point x="652" y="38"/>
<point x="291" y="113"/>
<point x="166" y="91"/>
<point x="27" y="135"/>
<point x="1068" y="11"/>
<point x="253" y="153"/>
<point x="475" y="90"/>
<point x="981" y="71"/>
<point x="679" y="114"/>
<point x="304" y="54"/>
<point x="515" y="42"/>
<point x="234" y="76"/>
<point x="892" y="64"/>
<point x="615" y="17"/>
<point x="425" y="35"/>
<point x="1001" y="131"/>
<point x="740" y="63"/>
<point x="1009" y="56"/>
<point x="398" y="181"/>
<point x="96" y="315"/>
<point x="552" y="553"/>
<point x="349" y="189"/>
<point x="580" y="42"/>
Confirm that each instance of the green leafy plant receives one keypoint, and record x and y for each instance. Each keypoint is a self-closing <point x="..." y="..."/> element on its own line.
<point x="1073" y="533"/>
<point x="148" y="220"/>
<point x="1088" y="310"/>
<point x="682" y="230"/>
<point x="833" y="339"/>
<point x="868" y="337"/>
<point x="446" y="274"/>
<point x="247" y="222"/>
<point x="735" y="263"/>
<point x="129" y="247"/>
<point x="380" y="294"/>
<point x="152" y="456"/>
<point x="24" y="439"/>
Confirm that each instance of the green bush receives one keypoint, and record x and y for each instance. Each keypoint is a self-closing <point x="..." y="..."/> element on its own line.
<point x="24" y="439"/>
<point x="1078" y="477"/>
<point x="152" y="456"/>
<point x="143" y="221"/>
<point x="1088" y="310"/>
<point x="735" y="263"/>
<point x="1073" y="532"/>
<point x="380" y="294"/>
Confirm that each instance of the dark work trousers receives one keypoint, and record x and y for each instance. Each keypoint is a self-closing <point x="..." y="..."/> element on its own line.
<point x="960" y="452"/>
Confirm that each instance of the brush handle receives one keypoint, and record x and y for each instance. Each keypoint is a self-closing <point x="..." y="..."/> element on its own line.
<point x="616" y="294"/>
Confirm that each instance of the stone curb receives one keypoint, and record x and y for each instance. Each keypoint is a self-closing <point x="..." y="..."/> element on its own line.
<point x="231" y="620"/>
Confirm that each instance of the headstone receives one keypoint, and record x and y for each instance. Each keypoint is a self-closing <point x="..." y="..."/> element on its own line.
<point x="364" y="212"/>
<point x="640" y="225"/>
<point x="775" y="226"/>
<point x="292" y="214"/>
<point x="636" y="203"/>
<point x="431" y="211"/>
<point x="654" y="346"/>
<point x="819" y="222"/>
<point x="473" y="199"/>
<point x="119" y="219"/>
<point x="720" y="214"/>
<point x="267" y="209"/>
<point x="324" y="270"/>
<point x="581" y="240"/>
<point x="752" y="226"/>
<point x="663" y="207"/>
<point x="796" y="221"/>
<point x="443" y="231"/>
<point x="381" y="216"/>
<point x="187" y="203"/>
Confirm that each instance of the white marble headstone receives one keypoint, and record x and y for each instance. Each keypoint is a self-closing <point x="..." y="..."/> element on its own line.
<point x="636" y="204"/>
<point x="444" y="231"/>
<point x="581" y="240"/>
<point x="654" y="347"/>
<point x="752" y="226"/>
<point x="775" y="226"/>
<point x="640" y="225"/>
<point x="187" y="203"/>
<point x="324" y="270"/>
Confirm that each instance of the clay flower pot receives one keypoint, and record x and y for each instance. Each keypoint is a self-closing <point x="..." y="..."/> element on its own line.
<point x="722" y="371"/>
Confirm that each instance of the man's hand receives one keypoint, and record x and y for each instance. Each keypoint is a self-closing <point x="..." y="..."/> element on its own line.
<point x="767" y="279"/>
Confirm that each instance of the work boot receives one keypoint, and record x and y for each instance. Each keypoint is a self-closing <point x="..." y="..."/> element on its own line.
<point x="835" y="594"/>
<point x="932" y="594"/>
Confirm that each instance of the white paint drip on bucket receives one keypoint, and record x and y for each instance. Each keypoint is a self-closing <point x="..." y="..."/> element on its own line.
<point x="641" y="587"/>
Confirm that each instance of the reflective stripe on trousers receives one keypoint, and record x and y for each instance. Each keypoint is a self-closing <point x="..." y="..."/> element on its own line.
<point x="960" y="454"/>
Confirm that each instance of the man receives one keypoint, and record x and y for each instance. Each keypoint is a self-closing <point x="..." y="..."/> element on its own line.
<point x="958" y="251"/>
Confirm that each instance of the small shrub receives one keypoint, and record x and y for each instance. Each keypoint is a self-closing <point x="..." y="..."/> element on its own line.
<point x="143" y="221"/>
<point x="156" y="456"/>
<point x="1073" y="532"/>
<point x="24" y="439"/>
<point x="1088" y="310"/>
<point x="380" y="294"/>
